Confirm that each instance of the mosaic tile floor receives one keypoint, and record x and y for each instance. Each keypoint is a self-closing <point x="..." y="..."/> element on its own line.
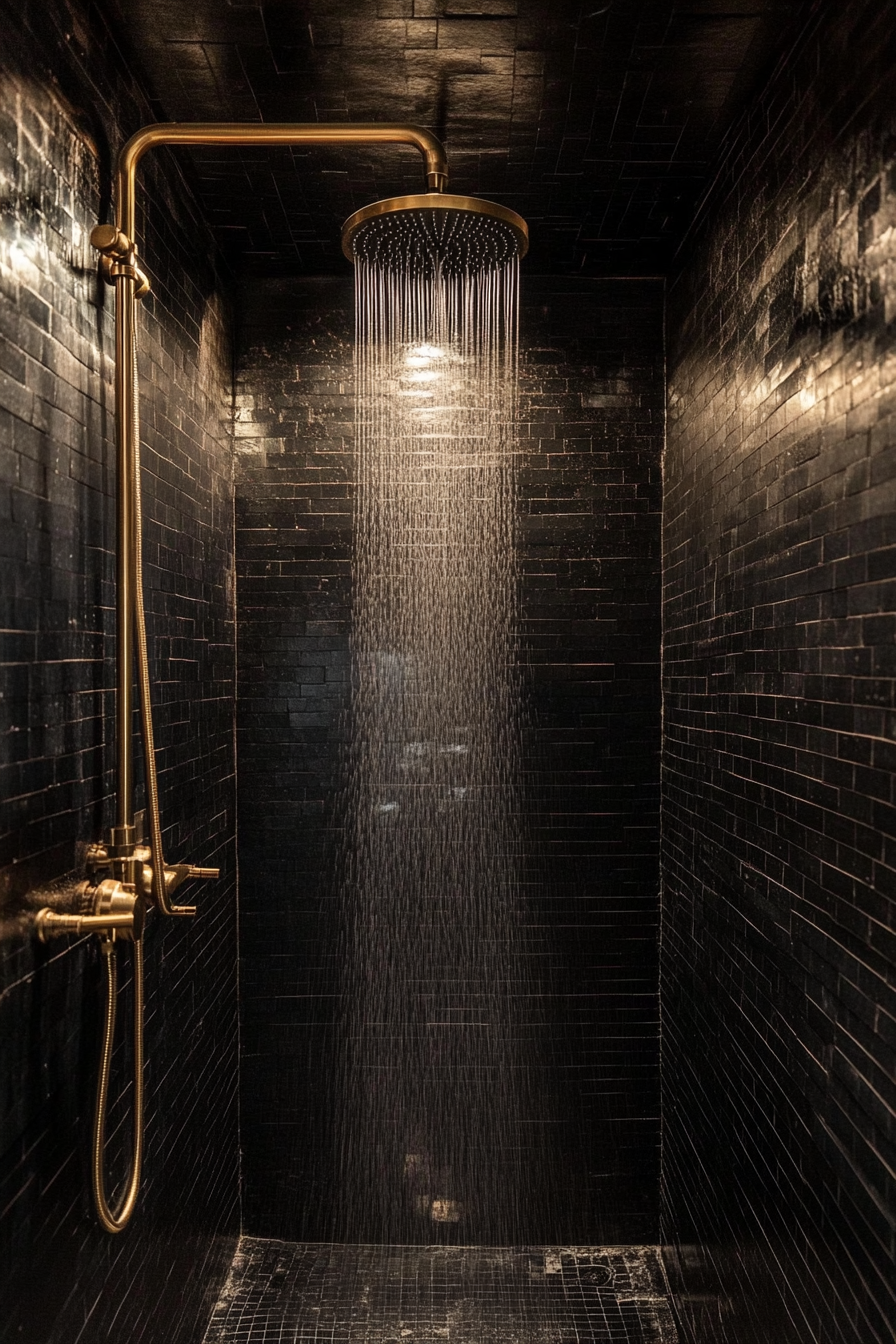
<point x="283" y="1293"/>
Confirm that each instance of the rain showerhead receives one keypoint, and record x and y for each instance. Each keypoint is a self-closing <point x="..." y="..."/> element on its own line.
<point x="462" y="234"/>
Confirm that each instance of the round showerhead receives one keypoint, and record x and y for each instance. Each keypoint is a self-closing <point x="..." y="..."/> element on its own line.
<point x="412" y="233"/>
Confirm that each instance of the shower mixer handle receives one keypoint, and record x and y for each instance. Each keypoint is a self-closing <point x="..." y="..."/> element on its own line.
<point x="175" y="875"/>
<point x="138" y="864"/>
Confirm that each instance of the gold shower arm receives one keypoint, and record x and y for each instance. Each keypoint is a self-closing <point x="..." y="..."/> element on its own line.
<point x="269" y="133"/>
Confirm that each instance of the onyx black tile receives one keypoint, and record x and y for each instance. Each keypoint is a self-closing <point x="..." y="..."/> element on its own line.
<point x="777" y="798"/>
<point x="69" y="96"/>
<point x="777" y="592"/>
<point x="597" y="125"/>
<point x="591" y="838"/>
<point x="473" y="1295"/>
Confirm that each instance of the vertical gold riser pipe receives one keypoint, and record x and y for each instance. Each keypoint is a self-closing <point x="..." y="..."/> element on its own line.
<point x="125" y="406"/>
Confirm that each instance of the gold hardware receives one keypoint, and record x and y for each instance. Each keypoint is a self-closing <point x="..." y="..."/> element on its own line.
<point x="116" y="244"/>
<point x="117" y="1220"/>
<point x="177" y="874"/>
<point x="97" y="860"/>
<point x="138" y="873"/>
<point x="133" y="272"/>
<point x="269" y="133"/>
<point x="50" y="925"/>
<point x="121" y="841"/>
<point x="112" y="268"/>
<point x="432" y="201"/>
<point x="116" y="911"/>
<point x="106" y="238"/>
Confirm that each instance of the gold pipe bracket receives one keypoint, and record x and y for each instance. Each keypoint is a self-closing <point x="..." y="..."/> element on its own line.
<point x="131" y="271"/>
<point x="112" y="270"/>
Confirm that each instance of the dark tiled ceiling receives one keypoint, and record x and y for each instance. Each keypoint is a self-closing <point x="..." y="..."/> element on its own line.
<point x="597" y="121"/>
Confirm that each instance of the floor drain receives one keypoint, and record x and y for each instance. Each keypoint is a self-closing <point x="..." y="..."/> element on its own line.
<point x="596" y="1275"/>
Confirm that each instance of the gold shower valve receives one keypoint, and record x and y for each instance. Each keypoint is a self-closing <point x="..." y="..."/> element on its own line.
<point x="118" y="912"/>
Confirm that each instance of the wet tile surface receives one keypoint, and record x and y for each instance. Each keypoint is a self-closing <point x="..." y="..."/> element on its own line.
<point x="588" y="499"/>
<point x="779" y="650"/>
<point x="288" y="1292"/>
<point x="63" y="1278"/>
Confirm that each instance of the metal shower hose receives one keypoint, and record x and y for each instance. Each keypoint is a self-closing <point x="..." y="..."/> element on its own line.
<point x="117" y="1220"/>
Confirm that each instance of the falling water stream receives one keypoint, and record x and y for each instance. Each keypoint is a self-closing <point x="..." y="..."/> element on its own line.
<point x="432" y="1077"/>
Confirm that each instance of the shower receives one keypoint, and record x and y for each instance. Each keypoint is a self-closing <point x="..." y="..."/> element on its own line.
<point x="428" y="1103"/>
<point x="462" y="905"/>
<point x="457" y="257"/>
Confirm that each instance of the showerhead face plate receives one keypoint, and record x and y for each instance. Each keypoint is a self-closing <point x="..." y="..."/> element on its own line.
<point x="413" y="234"/>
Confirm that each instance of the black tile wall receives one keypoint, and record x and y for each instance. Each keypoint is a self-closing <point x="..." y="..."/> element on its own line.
<point x="779" y="868"/>
<point x="589" y="497"/>
<point x="597" y="122"/>
<point x="67" y="100"/>
<point x="590" y="439"/>
<point x="293" y="426"/>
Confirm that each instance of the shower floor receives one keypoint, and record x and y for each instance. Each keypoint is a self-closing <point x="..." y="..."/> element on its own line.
<point x="281" y="1293"/>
